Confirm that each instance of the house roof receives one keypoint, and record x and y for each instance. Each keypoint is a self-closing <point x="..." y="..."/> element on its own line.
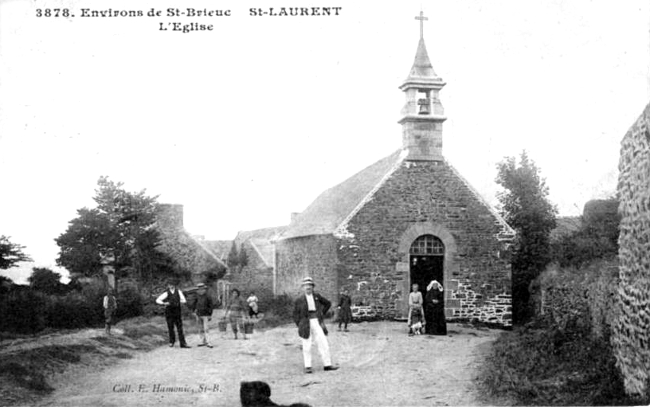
<point x="265" y="233"/>
<point x="219" y="248"/>
<point x="261" y="240"/>
<point x="338" y="203"/>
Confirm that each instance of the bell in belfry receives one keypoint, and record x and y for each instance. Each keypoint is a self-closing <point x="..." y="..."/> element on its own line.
<point x="424" y="106"/>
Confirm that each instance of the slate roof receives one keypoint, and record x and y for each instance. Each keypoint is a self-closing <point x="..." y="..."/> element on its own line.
<point x="220" y="248"/>
<point x="336" y="204"/>
<point x="261" y="240"/>
<point x="265" y="233"/>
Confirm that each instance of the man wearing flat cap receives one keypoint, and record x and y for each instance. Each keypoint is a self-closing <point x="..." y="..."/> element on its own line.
<point x="172" y="299"/>
<point x="202" y="306"/>
<point x="309" y="310"/>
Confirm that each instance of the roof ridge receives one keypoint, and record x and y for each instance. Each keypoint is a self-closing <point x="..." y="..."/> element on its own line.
<point x="205" y="249"/>
<point x="259" y="253"/>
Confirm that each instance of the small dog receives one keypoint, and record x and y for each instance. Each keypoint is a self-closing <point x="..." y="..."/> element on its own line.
<point x="417" y="328"/>
<point x="258" y="394"/>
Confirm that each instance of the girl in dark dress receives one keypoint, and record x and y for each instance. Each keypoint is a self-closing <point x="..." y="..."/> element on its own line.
<point x="345" y="312"/>
<point x="435" y="309"/>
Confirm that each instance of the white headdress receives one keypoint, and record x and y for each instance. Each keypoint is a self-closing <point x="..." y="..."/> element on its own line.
<point x="432" y="283"/>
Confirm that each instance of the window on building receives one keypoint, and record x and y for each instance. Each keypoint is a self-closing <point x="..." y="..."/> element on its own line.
<point x="427" y="245"/>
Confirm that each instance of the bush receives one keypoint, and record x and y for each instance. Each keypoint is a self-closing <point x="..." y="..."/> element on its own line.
<point x="277" y="311"/>
<point x="70" y="311"/>
<point x="23" y="311"/>
<point x="129" y="304"/>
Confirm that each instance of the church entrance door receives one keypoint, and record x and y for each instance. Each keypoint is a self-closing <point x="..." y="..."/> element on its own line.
<point x="426" y="261"/>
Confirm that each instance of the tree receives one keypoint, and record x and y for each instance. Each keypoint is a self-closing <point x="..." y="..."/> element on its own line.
<point x="121" y="224"/>
<point x="11" y="253"/>
<point x="45" y="280"/>
<point x="243" y="258"/>
<point x="526" y="208"/>
<point x="233" y="256"/>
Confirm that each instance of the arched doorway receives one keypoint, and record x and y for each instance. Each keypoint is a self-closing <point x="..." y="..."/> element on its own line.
<point x="426" y="260"/>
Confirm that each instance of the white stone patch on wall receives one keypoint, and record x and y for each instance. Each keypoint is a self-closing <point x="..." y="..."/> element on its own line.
<point x="473" y="307"/>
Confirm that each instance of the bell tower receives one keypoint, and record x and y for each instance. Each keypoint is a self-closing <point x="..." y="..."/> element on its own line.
<point x="422" y="115"/>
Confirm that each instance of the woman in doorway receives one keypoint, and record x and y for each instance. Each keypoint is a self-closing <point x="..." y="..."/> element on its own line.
<point x="435" y="309"/>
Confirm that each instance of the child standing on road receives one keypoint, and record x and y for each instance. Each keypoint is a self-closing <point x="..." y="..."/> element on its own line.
<point x="252" y="305"/>
<point x="110" y="306"/>
<point x="415" y="307"/>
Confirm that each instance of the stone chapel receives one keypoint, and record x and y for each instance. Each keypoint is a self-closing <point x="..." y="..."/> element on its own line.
<point x="408" y="218"/>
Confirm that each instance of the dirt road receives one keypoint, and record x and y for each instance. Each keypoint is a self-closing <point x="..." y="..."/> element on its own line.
<point x="379" y="366"/>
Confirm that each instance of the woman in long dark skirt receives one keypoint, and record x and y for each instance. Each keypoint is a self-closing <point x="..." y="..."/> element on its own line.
<point x="435" y="309"/>
<point x="345" y="310"/>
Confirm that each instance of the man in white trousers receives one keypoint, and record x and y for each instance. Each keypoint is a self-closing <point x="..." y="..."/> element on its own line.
<point x="309" y="310"/>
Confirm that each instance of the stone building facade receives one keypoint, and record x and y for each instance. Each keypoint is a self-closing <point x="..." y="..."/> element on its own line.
<point x="410" y="217"/>
<point x="631" y="336"/>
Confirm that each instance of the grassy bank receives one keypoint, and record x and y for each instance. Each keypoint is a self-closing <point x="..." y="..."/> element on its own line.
<point x="30" y="369"/>
<point x="541" y="365"/>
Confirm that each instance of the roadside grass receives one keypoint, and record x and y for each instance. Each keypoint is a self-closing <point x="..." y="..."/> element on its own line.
<point x="140" y="327"/>
<point x="541" y="365"/>
<point x="27" y="375"/>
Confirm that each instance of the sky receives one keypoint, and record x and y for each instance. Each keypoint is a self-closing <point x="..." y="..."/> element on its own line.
<point x="252" y="120"/>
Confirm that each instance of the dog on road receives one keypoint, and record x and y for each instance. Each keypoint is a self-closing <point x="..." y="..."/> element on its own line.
<point x="258" y="394"/>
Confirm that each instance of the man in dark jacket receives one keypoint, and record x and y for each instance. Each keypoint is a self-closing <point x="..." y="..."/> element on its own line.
<point x="309" y="310"/>
<point x="172" y="299"/>
<point x="202" y="306"/>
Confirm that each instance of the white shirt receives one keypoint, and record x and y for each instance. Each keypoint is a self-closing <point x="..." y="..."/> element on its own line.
<point x="163" y="297"/>
<point x="311" y="305"/>
<point x="106" y="301"/>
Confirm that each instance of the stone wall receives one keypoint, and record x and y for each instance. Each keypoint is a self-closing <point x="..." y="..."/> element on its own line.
<point x="313" y="256"/>
<point x="473" y="306"/>
<point x="420" y="198"/>
<point x="255" y="276"/>
<point x="631" y="337"/>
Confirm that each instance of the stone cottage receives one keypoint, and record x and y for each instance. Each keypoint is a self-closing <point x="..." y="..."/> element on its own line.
<point x="408" y="218"/>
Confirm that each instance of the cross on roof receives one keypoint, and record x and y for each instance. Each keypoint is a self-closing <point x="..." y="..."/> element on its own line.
<point x="421" y="18"/>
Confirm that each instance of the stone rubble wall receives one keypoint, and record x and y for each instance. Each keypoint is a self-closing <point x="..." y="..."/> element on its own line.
<point x="495" y="310"/>
<point x="631" y="339"/>
<point x="313" y="256"/>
